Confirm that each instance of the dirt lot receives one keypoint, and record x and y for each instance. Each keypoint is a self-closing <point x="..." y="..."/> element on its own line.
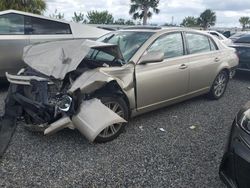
<point x="144" y="156"/>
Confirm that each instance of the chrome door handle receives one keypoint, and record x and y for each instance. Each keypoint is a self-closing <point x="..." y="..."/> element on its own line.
<point x="183" y="66"/>
<point x="216" y="59"/>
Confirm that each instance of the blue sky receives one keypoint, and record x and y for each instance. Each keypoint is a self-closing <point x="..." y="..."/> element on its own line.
<point x="228" y="11"/>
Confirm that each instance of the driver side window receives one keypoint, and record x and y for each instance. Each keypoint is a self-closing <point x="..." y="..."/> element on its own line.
<point x="170" y="44"/>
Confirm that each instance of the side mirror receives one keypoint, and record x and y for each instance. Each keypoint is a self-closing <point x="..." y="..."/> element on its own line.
<point x="152" y="57"/>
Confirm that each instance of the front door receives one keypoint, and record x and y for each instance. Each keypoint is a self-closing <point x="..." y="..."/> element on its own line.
<point x="160" y="82"/>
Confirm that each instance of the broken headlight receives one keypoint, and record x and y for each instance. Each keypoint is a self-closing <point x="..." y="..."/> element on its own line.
<point x="244" y="121"/>
<point x="64" y="103"/>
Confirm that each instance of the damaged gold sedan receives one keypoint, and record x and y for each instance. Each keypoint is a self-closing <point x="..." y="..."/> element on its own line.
<point x="96" y="86"/>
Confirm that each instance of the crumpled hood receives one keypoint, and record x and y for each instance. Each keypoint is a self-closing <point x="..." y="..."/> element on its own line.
<point x="58" y="58"/>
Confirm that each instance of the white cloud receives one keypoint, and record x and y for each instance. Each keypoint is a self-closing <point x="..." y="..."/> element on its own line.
<point x="228" y="12"/>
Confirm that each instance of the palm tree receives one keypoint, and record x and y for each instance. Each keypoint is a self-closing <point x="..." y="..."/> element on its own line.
<point x="79" y="18"/>
<point x="141" y="9"/>
<point x="57" y="15"/>
<point x="32" y="6"/>
<point x="244" y="21"/>
<point x="207" y="18"/>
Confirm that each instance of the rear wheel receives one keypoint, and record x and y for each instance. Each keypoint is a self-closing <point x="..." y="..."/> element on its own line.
<point x="119" y="106"/>
<point x="219" y="86"/>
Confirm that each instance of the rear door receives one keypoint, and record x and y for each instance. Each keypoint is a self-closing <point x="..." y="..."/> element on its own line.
<point x="43" y="30"/>
<point x="204" y="59"/>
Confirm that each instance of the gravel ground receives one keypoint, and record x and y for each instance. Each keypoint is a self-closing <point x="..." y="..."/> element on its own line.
<point x="143" y="156"/>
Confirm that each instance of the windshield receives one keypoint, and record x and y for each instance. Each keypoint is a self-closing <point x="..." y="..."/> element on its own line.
<point x="128" y="41"/>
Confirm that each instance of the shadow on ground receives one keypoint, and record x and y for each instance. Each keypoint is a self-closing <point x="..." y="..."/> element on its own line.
<point x="3" y="84"/>
<point x="243" y="75"/>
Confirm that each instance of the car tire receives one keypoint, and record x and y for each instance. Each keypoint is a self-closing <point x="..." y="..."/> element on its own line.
<point x="118" y="105"/>
<point x="219" y="85"/>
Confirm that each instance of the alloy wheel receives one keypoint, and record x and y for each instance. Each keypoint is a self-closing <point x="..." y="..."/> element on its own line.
<point x="113" y="129"/>
<point x="220" y="84"/>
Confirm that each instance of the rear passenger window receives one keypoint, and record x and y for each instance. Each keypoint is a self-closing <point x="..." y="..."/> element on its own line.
<point x="197" y="43"/>
<point x="170" y="44"/>
<point x="11" y="24"/>
<point x="39" y="26"/>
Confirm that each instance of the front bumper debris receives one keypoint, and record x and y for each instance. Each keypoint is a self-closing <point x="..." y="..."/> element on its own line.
<point x="85" y="120"/>
<point x="24" y="80"/>
<point x="92" y="117"/>
<point x="82" y="116"/>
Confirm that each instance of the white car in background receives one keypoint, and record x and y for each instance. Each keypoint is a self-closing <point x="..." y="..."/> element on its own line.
<point x="221" y="37"/>
<point x="19" y="29"/>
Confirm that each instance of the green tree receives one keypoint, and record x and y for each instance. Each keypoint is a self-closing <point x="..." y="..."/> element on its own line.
<point x="57" y="15"/>
<point x="190" y="21"/>
<point x="79" y="18"/>
<point x="244" y="21"/>
<point x="32" y="6"/>
<point x="140" y="9"/>
<point x="207" y="19"/>
<point x="103" y="17"/>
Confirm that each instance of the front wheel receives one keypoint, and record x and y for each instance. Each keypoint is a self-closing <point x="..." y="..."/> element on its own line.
<point x="119" y="106"/>
<point x="219" y="85"/>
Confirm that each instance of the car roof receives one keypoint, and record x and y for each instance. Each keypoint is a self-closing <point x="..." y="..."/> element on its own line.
<point x="213" y="31"/>
<point x="162" y="30"/>
<point x="151" y="28"/>
<point x="238" y="34"/>
<point x="32" y="15"/>
<point x="243" y="39"/>
<point x="244" y="35"/>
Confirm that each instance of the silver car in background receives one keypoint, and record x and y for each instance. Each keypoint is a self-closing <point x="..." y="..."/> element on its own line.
<point x="19" y="29"/>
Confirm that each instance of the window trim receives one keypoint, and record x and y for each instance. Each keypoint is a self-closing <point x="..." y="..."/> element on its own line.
<point x="215" y="45"/>
<point x="30" y="17"/>
<point x="169" y="33"/>
<point x="218" y="36"/>
<point x="208" y="37"/>
<point x="23" y="25"/>
<point x="25" y="33"/>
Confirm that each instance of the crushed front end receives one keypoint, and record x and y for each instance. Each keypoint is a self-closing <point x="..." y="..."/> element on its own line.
<point x="54" y="93"/>
<point x="41" y="99"/>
